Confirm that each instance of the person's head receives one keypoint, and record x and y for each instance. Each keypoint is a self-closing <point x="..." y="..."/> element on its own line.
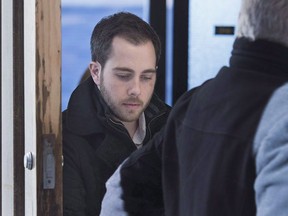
<point x="125" y="52"/>
<point x="264" y="19"/>
<point x="125" y="25"/>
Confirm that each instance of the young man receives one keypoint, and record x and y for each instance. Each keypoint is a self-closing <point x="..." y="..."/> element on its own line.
<point x="210" y="161"/>
<point x="112" y="113"/>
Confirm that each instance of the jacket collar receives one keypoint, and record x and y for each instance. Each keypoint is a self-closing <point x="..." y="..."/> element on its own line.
<point x="87" y="111"/>
<point x="260" y="55"/>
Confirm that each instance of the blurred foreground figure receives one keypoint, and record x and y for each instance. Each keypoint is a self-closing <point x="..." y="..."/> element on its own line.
<point x="209" y="160"/>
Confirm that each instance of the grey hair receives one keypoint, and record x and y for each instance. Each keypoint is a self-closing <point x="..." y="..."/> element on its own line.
<point x="264" y="19"/>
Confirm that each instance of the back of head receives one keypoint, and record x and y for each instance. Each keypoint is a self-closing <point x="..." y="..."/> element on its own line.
<point x="125" y="25"/>
<point x="264" y="19"/>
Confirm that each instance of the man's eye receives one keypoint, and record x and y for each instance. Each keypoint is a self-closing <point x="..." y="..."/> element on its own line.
<point x="123" y="76"/>
<point x="146" y="78"/>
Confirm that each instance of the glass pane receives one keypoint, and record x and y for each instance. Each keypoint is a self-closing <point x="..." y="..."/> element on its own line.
<point x="208" y="51"/>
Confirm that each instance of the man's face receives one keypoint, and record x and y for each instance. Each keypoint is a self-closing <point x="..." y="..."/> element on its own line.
<point x="127" y="81"/>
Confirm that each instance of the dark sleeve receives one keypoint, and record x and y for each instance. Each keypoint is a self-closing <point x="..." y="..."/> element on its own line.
<point x="141" y="180"/>
<point x="84" y="175"/>
<point x="82" y="189"/>
<point x="74" y="192"/>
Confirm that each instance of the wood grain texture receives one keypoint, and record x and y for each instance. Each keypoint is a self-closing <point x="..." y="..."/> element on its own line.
<point x="48" y="99"/>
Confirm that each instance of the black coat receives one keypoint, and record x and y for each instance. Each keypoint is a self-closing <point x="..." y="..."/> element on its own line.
<point x="94" y="146"/>
<point x="205" y="152"/>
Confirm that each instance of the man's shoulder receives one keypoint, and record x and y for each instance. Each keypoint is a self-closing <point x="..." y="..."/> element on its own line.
<point x="274" y="120"/>
<point x="181" y="105"/>
<point x="277" y="107"/>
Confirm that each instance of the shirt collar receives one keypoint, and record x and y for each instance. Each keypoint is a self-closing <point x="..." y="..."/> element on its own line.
<point x="140" y="133"/>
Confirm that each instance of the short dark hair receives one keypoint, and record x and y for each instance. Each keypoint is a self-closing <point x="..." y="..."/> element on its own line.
<point x="125" y="25"/>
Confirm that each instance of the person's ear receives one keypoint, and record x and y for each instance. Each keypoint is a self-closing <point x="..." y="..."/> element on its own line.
<point x="95" y="71"/>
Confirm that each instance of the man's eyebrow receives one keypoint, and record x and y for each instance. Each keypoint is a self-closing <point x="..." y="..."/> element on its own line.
<point x="150" y="71"/>
<point x="125" y="69"/>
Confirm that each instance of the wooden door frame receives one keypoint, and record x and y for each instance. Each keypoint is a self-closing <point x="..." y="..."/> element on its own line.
<point x="46" y="111"/>
<point x="48" y="98"/>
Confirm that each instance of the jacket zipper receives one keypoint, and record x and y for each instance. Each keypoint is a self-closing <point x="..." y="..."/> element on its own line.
<point x="119" y="126"/>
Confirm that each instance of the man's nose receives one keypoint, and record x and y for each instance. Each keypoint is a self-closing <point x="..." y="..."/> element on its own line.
<point x="134" y="88"/>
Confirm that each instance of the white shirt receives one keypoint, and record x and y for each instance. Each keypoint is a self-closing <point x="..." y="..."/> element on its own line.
<point x="140" y="133"/>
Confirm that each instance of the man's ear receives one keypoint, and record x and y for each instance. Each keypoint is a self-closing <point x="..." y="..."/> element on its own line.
<point x="95" y="71"/>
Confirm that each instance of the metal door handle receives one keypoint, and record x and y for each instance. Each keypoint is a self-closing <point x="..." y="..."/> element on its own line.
<point x="28" y="160"/>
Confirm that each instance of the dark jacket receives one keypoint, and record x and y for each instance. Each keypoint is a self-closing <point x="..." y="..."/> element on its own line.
<point x="94" y="145"/>
<point x="206" y="148"/>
